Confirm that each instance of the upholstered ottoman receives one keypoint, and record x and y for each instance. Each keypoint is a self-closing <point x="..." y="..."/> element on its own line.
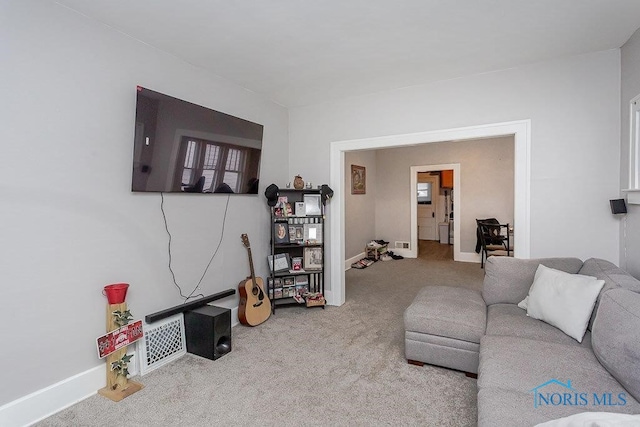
<point x="443" y="326"/>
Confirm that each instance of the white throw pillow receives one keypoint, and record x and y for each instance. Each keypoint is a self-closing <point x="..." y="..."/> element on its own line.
<point x="563" y="300"/>
<point x="524" y="303"/>
<point x="594" y="419"/>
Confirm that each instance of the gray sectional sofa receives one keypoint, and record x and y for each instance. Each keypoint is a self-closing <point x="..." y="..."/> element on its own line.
<point x="529" y="371"/>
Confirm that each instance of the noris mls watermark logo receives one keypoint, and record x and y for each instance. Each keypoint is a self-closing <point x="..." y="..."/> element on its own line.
<point x="557" y="393"/>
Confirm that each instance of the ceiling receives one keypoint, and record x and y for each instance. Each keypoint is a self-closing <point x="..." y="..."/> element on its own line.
<point x="298" y="52"/>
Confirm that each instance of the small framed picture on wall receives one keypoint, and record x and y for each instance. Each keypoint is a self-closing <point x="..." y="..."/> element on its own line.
<point x="358" y="179"/>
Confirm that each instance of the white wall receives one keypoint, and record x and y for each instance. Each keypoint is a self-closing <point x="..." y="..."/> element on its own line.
<point x="630" y="88"/>
<point x="360" y="209"/>
<point x="573" y="104"/>
<point x="486" y="184"/>
<point x="69" y="222"/>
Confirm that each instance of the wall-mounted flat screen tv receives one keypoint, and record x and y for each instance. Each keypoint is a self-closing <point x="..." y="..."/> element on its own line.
<point x="180" y="147"/>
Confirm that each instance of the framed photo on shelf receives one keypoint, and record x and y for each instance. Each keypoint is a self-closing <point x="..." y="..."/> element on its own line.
<point x="287" y="210"/>
<point x="300" y="209"/>
<point x="280" y="232"/>
<point x="296" y="264"/>
<point x="312" y="205"/>
<point x="279" y="262"/>
<point x="312" y="233"/>
<point x="275" y="283"/>
<point x="296" y="233"/>
<point x="282" y="200"/>
<point x="313" y="258"/>
<point x="358" y="179"/>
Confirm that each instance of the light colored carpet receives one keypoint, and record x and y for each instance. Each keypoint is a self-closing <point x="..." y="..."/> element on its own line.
<point x="310" y="367"/>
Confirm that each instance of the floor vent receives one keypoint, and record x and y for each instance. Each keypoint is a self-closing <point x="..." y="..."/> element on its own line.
<point x="402" y="245"/>
<point x="164" y="341"/>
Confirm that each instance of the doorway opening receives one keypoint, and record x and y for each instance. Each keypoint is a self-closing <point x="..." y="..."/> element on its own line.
<point x="453" y="226"/>
<point x="519" y="130"/>
<point x="432" y="214"/>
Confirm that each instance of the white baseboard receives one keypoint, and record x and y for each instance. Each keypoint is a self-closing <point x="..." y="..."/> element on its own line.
<point x="407" y="253"/>
<point x="234" y="316"/>
<point x="43" y="403"/>
<point x="469" y="257"/>
<point x="348" y="262"/>
<point x="328" y="297"/>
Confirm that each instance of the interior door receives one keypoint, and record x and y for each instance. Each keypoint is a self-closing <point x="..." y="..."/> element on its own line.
<point x="428" y="190"/>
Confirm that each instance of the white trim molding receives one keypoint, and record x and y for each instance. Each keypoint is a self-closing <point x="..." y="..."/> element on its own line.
<point x="634" y="144"/>
<point x="43" y="403"/>
<point x="521" y="131"/>
<point x="633" y="196"/>
<point x="348" y="262"/>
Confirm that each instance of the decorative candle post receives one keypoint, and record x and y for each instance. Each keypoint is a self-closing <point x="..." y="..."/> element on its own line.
<point x="114" y="344"/>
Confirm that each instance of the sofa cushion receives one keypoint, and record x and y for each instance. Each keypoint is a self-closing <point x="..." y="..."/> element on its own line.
<point x="509" y="320"/>
<point x="507" y="280"/>
<point x="499" y="407"/>
<point x="521" y="364"/>
<point x="563" y="300"/>
<point x="447" y="311"/>
<point x="614" y="277"/>
<point x="616" y="337"/>
<point x="513" y="371"/>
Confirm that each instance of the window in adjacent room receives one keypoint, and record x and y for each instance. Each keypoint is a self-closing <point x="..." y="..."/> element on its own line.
<point x="424" y="193"/>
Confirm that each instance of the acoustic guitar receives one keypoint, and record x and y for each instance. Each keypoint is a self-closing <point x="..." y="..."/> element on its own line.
<point x="255" y="306"/>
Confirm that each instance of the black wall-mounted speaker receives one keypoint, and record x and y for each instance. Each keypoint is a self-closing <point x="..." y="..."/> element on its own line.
<point x="618" y="206"/>
<point x="208" y="331"/>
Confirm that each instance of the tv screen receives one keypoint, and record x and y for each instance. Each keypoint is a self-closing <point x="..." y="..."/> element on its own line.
<point x="180" y="147"/>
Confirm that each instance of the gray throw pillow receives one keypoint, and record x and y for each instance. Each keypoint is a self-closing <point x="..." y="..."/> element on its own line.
<point x="615" y="337"/>
<point x="613" y="276"/>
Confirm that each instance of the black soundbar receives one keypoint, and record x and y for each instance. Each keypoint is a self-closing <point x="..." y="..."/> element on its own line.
<point x="150" y="318"/>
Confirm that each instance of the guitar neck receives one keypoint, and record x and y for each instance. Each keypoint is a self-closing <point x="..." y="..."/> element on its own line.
<point x="253" y="274"/>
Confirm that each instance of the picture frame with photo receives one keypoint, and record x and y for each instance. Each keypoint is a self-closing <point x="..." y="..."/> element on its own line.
<point x="312" y="204"/>
<point x="301" y="289"/>
<point x="278" y="262"/>
<point x="358" y="179"/>
<point x="313" y="258"/>
<point x="296" y="233"/>
<point x="287" y="209"/>
<point x="280" y="232"/>
<point x="299" y="209"/>
<point x="312" y="233"/>
<point x="296" y="264"/>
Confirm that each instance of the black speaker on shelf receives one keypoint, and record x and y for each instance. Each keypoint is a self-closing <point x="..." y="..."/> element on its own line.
<point x="208" y="331"/>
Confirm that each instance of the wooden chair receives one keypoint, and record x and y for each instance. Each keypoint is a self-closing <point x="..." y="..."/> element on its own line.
<point x="493" y="239"/>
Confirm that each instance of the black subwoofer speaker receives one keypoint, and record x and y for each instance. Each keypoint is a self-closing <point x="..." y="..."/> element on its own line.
<point x="208" y="331"/>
